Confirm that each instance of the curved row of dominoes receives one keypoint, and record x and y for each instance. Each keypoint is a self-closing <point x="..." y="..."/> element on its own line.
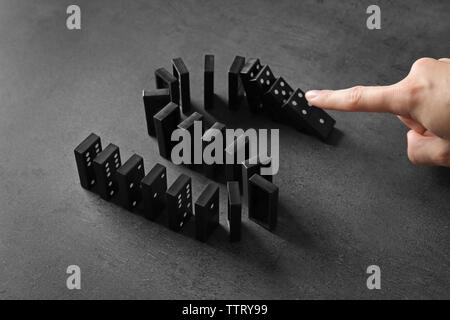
<point x="101" y="171"/>
<point x="264" y="93"/>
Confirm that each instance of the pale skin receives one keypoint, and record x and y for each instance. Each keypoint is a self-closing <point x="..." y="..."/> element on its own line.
<point x="421" y="101"/>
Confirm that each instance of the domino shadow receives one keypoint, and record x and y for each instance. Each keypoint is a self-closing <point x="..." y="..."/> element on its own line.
<point x="255" y="249"/>
<point x="291" y="229"/>
<point x="335" y="137"/>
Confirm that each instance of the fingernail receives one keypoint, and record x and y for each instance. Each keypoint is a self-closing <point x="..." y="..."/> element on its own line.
<point x="313" y="94"/>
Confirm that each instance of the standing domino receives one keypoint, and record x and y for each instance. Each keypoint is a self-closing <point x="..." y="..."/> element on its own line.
<point x="234" y="211"/>
<point x="235" y="86"/>
<point x="105" y="165"/>
<point x="166" y="122"/>
<point x="249" y="168"/>
<point x="164" y="79"/>
<point x="181" y="72"/>
<point x="188" y="124"/>
<point x="207" y="212"/>
<point x="217" y="131"/>
<point x="85" y="152"/>
<point x="208" y="89"/>
<point x="154" y="101"/>
<point x="235" y="151"/>
<point x="179" y="202"/>
<point x="154" y="187"/>
<point x="129" y="177"/>
<point x="263" y="202"/>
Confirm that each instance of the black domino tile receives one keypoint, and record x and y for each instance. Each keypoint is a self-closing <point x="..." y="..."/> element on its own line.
<point x="253" y="166"/>
<point x="235" y="86"/>
<point x="207" y="212"/>
<point x="105" y="165"/>
<point x="188" y="124"/>
<point x="276" y="97"/>
<point x="234" y="211"/>
<point x="321" y="122"/>
<point x="251" y="68"/>
<point x="153" y="188"/>
<point x="85" y="153"/>
<point x="208" y="88"/>
<point x="179" y="202"/>
<point x="166" y="121"/>
<point x="263" y="202"/>
<point x="129" y="177"/>
<point x="233" y="171"/>
<point x="164" y="79"/>
<point x="154" y="101"/>
<point x="213" y="170"/>
<point x="181" y="72"/>
<point x="264" y="80"/>
<point x="298" y="112"/>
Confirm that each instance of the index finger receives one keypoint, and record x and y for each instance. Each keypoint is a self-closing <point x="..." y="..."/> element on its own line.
<point x="367" y="99"/>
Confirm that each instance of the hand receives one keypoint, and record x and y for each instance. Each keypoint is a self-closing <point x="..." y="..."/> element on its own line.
<point x="421" y="101"/>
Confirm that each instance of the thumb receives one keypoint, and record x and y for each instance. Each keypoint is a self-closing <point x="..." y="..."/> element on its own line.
<point x="428" y="149"/>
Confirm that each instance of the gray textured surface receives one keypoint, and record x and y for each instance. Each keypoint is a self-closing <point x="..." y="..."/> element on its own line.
<point x="343" y="206"/>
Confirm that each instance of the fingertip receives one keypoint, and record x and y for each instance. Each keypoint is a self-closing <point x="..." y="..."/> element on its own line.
<point x="319" y="98"/>
<point x="312" y="95"/>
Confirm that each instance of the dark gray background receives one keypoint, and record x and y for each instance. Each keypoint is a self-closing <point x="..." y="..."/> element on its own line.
<point x="343" y="206"/>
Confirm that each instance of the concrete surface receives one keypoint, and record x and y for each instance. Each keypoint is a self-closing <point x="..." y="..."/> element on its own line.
<point x="343" y="206"/>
